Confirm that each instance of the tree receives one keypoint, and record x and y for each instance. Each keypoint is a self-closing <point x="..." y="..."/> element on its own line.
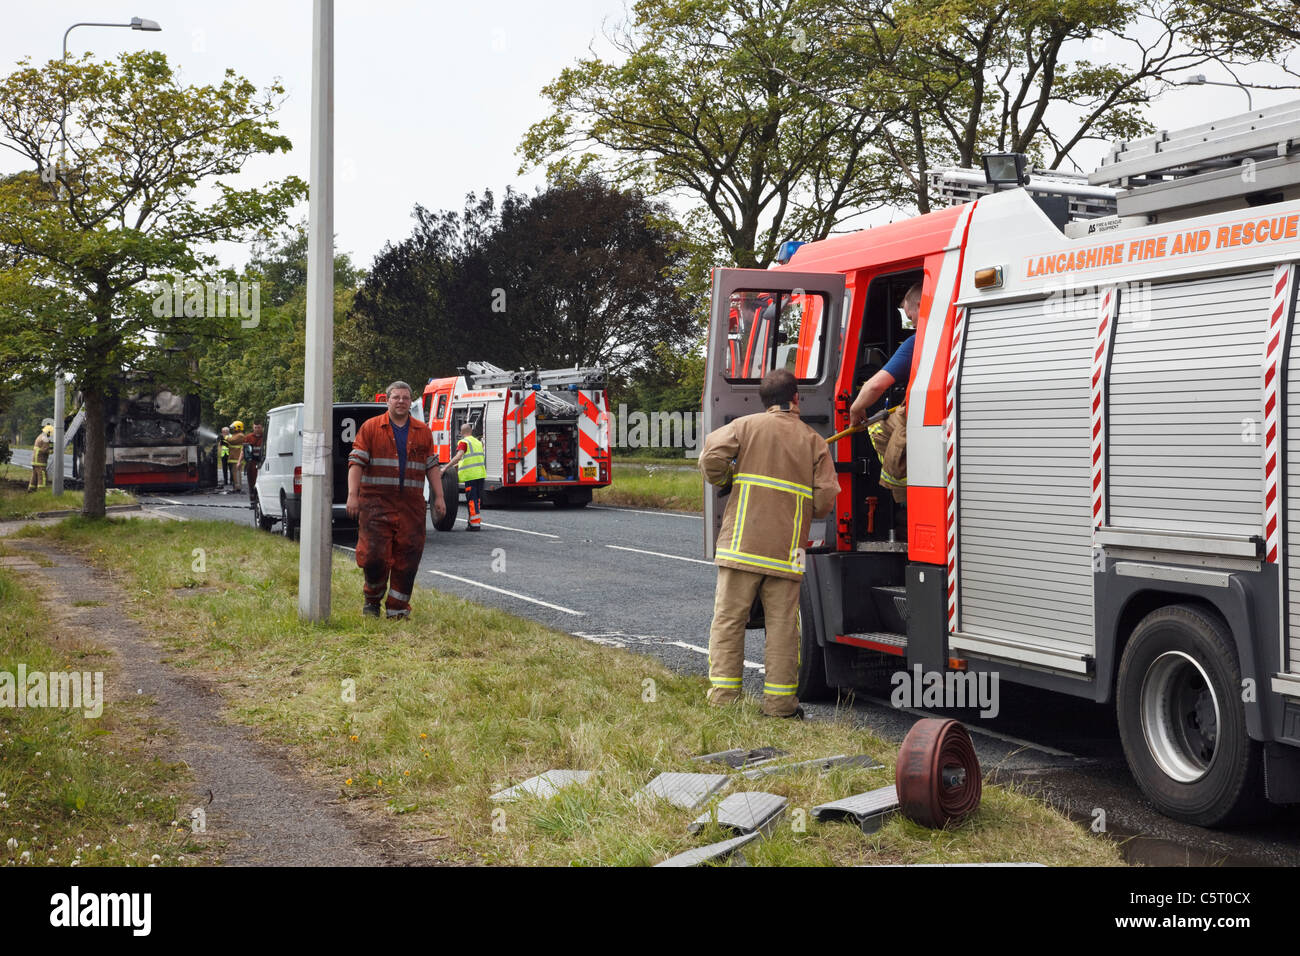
<point x="1030" y="76"/>
<point x="246" y="372"/>
<point x="142" y="193"/>
<point x="713" y="102"/>
<point x="578" y="274"/>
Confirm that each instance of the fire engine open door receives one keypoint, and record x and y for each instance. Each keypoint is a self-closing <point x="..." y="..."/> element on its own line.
<point x="762" y="320"/>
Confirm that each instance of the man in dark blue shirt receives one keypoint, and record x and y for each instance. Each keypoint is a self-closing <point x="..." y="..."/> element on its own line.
<point x="897" y="369"/>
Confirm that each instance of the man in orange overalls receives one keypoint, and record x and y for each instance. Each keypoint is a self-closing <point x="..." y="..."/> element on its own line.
<point x="391" y="458"/>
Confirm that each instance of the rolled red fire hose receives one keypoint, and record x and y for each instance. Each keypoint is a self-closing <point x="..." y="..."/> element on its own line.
<point x="938" y="774"/>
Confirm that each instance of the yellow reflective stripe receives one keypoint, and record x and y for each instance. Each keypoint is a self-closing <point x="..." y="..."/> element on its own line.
<point x="758" y="560"/>
<point x="741" y="507"/>
<point x="798" y="523"/>
<point x="767" y="689"/>
<point x="725" y="681"/>
<point x="776" y="483"/>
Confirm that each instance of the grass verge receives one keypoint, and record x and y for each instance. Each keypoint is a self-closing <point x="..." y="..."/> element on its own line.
<point x="423" y="720"/>
<point x="16" y="502"/>
<point x="74" y="790"/>
<point x="642" y="484"/>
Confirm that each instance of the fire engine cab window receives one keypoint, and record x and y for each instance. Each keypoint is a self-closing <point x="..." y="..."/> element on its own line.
<point x="767" y="330"/>
<point x="442" y="407"/>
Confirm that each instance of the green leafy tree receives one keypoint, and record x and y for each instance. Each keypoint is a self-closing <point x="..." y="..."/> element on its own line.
<point x="136" y="196"/>
<point x="247" y="371"/>
<point x="579" y="274"/>
<point x="1031" y="76"/>
<point x="713" y="102"/>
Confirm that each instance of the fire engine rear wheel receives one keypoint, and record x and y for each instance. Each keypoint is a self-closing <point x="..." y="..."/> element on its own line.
<point x="451" y="496"/>
<point x="572" y="499"/>
<point x="1182" y="720"/>
<point x="812" y="659"/>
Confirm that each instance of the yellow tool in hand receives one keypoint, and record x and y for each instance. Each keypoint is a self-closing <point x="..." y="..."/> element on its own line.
<point x="854" y="429"/>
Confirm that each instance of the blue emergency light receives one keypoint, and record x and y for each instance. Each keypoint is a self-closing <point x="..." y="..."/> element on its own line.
<point x="787" y="250"/>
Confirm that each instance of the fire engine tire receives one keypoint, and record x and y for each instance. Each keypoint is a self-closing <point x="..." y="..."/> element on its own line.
<point x="573" y="499"/>
<point x="812" y="659"/>
<point x="260" y="520"/>
<point x="288" y="527"/>
<point x="937" y="775"/>
<point x="451" y="497"/>
<point x="1182" y="720"/>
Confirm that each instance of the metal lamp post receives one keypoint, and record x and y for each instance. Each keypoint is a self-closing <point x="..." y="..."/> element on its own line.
<point x="315" y="549"/>
<point x="137" y="23"/>
<point x="1200" y="80"/>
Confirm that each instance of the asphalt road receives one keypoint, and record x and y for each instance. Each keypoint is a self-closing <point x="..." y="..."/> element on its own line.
<point x="635" y="579"/>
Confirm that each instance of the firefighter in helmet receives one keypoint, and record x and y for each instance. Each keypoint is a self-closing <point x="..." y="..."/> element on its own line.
<point x="41" y="449"/>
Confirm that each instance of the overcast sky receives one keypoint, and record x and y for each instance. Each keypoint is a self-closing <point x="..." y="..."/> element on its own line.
<point x="431" y="98"/>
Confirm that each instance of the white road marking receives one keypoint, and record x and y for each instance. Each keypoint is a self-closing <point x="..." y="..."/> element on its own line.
<point x="705" y="650"/>
<point x="540" y="534"/>
<point x="660" y="514"/>
<point x="169" y="501"/>
<point x="513" y="594"/>
<point x="660" y="554"/>
<point x="974" y="729"/>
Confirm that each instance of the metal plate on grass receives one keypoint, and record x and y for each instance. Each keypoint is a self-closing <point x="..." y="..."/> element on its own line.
<point x="544" y="785"/>
<point x="714" y="851"/>
<point x="859" y="806"/>
<point x="685" y="790"/>
<point x="746" y="812"/>
<point x="824" y="763"/>
<point x="738" y="758"/>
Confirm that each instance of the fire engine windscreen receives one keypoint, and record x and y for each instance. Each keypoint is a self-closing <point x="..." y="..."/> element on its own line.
<point x="770" y="329"/>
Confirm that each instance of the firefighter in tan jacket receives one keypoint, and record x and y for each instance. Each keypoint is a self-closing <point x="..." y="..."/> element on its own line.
<point x="782" y="477"/>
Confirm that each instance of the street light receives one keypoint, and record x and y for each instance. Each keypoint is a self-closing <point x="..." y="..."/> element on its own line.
<point x="137" y="23"/>
<point x="1200" y="80"/>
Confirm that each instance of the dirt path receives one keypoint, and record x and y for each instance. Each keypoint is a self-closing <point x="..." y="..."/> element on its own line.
<point x="262" y="808"/>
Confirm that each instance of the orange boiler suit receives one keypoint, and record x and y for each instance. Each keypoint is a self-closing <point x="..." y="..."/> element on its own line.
<point x="391" y="526"/>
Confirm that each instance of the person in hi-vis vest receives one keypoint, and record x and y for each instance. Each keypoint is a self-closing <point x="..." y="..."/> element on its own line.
<point x="473" y="469"/>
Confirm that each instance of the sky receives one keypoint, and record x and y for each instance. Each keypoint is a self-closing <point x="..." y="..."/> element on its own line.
<point x="432" y="99"/>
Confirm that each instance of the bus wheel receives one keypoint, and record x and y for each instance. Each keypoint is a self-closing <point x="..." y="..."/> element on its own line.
<point x="1182" y="720"/>
<point x="812" y="659"/>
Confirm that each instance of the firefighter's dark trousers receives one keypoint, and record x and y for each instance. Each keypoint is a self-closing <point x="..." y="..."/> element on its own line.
<point x="390" y="543"/>
<point x="474" y="501"/>
<point x="732" y="601"/>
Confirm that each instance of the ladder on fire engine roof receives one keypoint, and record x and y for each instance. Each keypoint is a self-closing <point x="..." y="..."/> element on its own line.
<point x="1249" y="159"/>
<point x="955" y="185"/>
<point x="487" y="375"/>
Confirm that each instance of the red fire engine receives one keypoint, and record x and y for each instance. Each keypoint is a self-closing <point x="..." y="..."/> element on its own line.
<point x="1103" y="433"/>
<point x="545" y="434"/>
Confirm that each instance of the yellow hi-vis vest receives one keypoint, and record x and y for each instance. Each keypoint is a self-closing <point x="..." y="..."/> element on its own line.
<point x="472" y="466"/>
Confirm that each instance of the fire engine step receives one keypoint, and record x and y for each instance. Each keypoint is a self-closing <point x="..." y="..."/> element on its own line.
<point x="746" y="812"/>
<point x="888" y="642"/>
<point x="707" y="854"/>
<point x="868" y="810"/>
<point x="891" y="607"/>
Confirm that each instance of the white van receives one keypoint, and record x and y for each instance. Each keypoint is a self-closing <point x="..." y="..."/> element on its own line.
<point x="278" y="495"/>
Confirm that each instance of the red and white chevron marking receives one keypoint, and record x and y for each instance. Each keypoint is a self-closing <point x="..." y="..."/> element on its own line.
<point x="525" y="431"/>
<point x="1277" y="317"/>
<point x="590" y="444"/>
<point x="1101" y="348"/>
<point x="950" y="451"/>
